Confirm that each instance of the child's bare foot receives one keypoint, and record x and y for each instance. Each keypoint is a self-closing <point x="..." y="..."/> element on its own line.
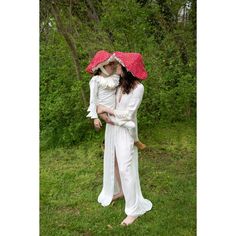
<point x="140" y="145"/>
<point x="117" y="196"/>
<point x="129" y="220"/>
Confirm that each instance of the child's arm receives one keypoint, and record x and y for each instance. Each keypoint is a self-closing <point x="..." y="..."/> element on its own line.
<point x="93" y="99"/>
<point x="92" y="104"/>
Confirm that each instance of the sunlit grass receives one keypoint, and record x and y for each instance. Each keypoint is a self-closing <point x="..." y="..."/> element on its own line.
<point x="71" y="180"/>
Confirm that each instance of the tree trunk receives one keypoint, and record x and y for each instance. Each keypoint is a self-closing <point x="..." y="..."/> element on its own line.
<point x="93" y="13"/>
<point x="70" y="42"/>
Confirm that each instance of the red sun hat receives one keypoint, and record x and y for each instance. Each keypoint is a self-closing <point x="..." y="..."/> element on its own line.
<point x="133" y="62"/>
<point x="100" y="59"/>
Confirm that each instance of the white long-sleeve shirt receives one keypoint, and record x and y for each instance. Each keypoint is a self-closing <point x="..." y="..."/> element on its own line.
<point x="102" y="91"/>
<point x="127" y="110"/>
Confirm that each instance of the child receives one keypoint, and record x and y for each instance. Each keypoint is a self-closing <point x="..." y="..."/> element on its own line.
<point x="102" y="91"/>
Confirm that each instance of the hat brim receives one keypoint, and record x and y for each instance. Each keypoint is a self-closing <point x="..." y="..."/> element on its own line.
<point x="110" y="59"/>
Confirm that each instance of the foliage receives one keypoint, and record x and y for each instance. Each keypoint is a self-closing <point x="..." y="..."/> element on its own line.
<point x="83" y="27"/>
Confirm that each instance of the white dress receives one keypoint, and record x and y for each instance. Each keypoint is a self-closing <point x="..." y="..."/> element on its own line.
<point x="119" y="142"/>
<point x="102" y="91"/>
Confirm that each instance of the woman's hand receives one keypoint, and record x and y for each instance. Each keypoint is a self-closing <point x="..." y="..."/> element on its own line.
<point x="97" y="123"/>
<point x="106" y="118"/>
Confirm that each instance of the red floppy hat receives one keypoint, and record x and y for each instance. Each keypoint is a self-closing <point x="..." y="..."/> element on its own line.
<point x="100" y="59"/>
<point x="133" y="62"/>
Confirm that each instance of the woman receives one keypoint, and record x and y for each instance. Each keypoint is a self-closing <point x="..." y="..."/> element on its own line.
<point x="119" y="144"/>
<point x="103" y="86"/>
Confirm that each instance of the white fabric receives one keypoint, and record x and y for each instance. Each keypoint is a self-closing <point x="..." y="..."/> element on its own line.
<point x="102" y="91"/>
<point x="119" y="142"/>
<point x="103" y="70"/>
<point x="130" y="125"/>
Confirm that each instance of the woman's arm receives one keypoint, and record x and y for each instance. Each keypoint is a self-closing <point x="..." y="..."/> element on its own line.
<point x="132" y="107"/>
<point x="106" y="118"/>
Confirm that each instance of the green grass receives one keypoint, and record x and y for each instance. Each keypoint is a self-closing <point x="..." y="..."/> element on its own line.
<point x="71" y="179"/>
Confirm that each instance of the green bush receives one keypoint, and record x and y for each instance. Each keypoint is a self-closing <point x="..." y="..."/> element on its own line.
<point x="147" y="27"/>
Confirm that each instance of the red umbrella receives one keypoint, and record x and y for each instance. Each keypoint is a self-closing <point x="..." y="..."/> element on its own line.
<point x="100" y="59"/>
<point x="133" y="62"/>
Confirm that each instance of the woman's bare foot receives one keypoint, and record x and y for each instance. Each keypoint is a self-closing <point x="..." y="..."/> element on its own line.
<point x="117" y="196"/>
<point x="129" y="220"/>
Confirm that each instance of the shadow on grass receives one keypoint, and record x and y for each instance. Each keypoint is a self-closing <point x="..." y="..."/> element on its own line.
<point x="71" y="179"/>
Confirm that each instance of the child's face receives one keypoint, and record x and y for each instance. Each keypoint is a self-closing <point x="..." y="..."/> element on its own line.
<point x="110" y="68"/>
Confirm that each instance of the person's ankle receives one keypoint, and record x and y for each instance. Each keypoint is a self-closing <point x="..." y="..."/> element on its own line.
<point x="139" y="145"/>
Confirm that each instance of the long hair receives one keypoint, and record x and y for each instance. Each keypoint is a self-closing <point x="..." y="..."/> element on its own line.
<point x="128" y="81"/>
<point x="97" y="72"/>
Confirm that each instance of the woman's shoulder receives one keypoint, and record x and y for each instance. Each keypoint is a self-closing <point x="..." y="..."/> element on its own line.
<point x="139" y="87"/>
<point x="138" y="90"/>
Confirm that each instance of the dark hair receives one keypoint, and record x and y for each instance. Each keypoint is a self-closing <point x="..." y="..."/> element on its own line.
<point x="97" y="72"/>
<point x="128" y="81"/>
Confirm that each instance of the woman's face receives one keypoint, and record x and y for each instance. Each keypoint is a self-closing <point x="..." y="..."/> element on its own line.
<point x="109" y="68"/>
<point x="119" y="70"/>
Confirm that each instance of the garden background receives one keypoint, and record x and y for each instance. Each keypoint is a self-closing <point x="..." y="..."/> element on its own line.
<point x="71" y="163"/>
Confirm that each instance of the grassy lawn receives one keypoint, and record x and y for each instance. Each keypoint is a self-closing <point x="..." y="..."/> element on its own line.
<point x="71" y="180"/>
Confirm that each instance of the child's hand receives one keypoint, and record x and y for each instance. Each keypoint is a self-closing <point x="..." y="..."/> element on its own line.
<point x="97" y="124"/>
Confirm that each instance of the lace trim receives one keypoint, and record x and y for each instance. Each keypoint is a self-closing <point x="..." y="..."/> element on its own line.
<point x="108" y="83"/>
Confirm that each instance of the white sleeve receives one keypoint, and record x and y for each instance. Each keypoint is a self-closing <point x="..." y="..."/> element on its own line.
<point x="116" y="120"/>
<point x="133" y="105"/>
<point x="93" y="98"/>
